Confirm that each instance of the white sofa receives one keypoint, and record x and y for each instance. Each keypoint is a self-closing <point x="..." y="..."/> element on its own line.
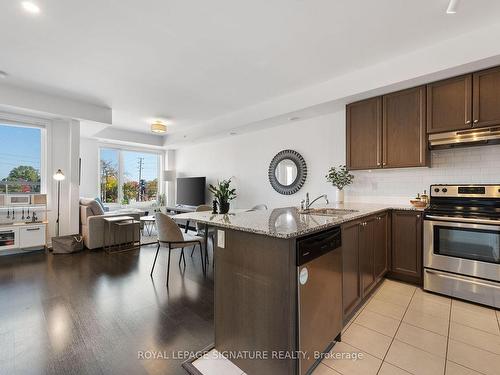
<point x="94" y="228"/>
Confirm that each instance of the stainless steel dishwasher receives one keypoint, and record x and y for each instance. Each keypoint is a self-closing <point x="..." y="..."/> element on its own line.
<point x="319" y="272"/>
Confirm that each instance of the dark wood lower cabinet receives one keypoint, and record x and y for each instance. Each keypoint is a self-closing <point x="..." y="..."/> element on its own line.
<point x="365" y="245"/>
<point x="366" y="254"/>
<point x="406" y="257"/>
<point x="351" y="293"/>
<point x="381" y="240"/>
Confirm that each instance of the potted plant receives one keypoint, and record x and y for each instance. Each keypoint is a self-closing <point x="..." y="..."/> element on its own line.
<point x="160" y="203"/>
<point x="223" y="194"/>
<point x="340" y="178"/>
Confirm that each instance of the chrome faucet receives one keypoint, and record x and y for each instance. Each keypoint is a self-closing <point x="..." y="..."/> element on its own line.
<point x="305" y="205"/>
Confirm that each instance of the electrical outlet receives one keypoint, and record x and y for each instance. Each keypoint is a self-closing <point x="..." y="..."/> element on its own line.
<point x="221" y="240"/>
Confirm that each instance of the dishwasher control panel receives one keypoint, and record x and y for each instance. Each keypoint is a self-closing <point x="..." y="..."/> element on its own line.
<point x="315" y="245"/>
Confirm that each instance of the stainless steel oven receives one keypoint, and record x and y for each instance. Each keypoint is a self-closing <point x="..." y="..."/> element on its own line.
<point x="462" y="243"/>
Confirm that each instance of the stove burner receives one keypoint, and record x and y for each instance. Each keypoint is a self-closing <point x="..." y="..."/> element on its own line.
<point x="467" y="201"/>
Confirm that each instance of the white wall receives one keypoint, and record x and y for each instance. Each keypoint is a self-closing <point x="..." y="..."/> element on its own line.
<point x="246" y="158"/>
<point x="62" y="153"/>
<point x="321" y="141"/>
<point x="89" y="153"/>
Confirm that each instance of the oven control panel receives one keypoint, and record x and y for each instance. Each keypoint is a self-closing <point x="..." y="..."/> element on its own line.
<point x="472" y="191"/>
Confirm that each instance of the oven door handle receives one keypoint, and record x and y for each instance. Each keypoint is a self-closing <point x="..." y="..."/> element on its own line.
<point x="462" y="278"/>
<point x="463" y="220"/>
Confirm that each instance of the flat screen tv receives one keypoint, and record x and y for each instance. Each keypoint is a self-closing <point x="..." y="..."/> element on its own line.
<point x="191" y="191"/>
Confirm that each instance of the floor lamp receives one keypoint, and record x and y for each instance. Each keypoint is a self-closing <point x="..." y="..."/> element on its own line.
<point x="59" y="176"/>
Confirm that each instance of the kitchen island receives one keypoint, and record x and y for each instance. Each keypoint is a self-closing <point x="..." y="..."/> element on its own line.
<point x="257" y="307"/>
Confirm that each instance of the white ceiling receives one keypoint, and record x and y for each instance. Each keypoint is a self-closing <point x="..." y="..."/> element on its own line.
<point x="193" y="61"/>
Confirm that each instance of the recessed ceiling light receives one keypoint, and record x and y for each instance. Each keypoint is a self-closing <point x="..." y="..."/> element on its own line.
<point x="3" y="74"/>
<point x="452" y="7"/>
<point x="232" y="133"/>
<point x="30" y="7"/>
<point x="158" y="127"/>
<point x="295" y="118"/>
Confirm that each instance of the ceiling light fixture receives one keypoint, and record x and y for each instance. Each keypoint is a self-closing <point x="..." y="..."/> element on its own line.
<point x="3" y="74"/>
<point x="295" y="118"/>
<point x="158" y="127"/>
<point x="30" y="7"/>
<point x="452" y="7"/>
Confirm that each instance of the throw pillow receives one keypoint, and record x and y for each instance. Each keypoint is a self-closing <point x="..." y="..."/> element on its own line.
<point x="96" y="208"/>
<point x="98" y="200"/>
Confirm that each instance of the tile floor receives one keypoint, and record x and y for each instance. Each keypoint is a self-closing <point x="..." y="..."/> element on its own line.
<point x="404" y="330"/>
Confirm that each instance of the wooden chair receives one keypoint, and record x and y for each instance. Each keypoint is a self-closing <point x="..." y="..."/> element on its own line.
<point x="171" y="235"/>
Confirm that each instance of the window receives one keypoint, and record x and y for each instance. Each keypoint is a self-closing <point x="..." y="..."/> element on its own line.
<point x="20" y="159"/>
<point x="109" y="175"/>
<point x="140" y="172"/>
<point x="128" y="176"/>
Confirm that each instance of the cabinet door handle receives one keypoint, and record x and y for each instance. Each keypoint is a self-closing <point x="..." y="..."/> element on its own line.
<point x="418" y="216"/>
<point x="32" y="229"/>
<point x="476" y="121"/>
<point x="467" y="122"/>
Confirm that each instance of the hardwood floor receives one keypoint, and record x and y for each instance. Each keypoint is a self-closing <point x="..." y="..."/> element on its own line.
<point x="91" y="313"/>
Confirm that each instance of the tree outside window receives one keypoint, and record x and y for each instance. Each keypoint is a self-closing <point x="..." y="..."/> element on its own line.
<point x="109" y="175"/>
<point x="139" y="176"/>
<point x="20" y="157"/>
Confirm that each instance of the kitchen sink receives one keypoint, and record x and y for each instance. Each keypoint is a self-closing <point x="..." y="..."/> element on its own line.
<point x="327" y="211"/>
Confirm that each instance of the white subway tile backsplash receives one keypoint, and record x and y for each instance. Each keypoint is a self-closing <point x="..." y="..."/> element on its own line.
<point x="462" y="165"/>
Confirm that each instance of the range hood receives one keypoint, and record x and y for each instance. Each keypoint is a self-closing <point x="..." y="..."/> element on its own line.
<point x="465" y="138"/>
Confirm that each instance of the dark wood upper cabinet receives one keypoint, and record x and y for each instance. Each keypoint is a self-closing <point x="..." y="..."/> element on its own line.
<point x="381" y="245"/>
<point x="486" y="98"/>
<point x="406" y="259"/>
<point x="404" y="132"/>
<point x="391" y="131"/>
<point x="449" y="104"/>
<point x="364" y="134"/>
<point x="351" y="293"/>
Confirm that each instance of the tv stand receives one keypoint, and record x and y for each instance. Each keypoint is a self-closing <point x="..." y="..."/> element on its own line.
<point x="180" y="209"/>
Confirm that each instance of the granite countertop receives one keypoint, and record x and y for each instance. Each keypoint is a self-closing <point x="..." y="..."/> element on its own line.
<point x="288" y="222"/>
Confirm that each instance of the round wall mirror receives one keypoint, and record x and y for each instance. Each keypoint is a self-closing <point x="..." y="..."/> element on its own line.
<point x="287" y="172"/>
